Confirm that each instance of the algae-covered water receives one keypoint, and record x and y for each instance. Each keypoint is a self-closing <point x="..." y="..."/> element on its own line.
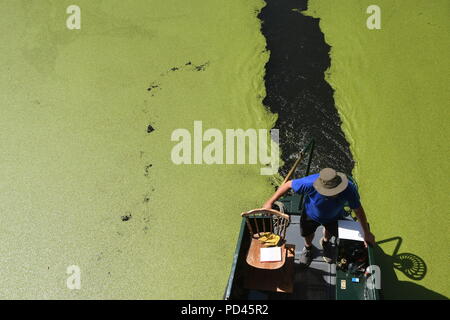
<point x="87" y="115"/>
<point x="76" y="148"/>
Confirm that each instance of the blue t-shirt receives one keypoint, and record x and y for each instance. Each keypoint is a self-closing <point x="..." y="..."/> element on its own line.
<point x="321" y="208"/>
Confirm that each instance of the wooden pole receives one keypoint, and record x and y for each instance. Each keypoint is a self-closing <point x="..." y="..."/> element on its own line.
<point x="310" y="146"/>
<point x="297" y="162"/>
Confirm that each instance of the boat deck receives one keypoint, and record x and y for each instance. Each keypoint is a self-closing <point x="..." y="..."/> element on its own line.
<point x="317" y="282"/>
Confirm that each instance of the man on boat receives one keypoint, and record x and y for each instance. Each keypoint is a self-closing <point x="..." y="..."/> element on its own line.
<point x="326" y="194"/>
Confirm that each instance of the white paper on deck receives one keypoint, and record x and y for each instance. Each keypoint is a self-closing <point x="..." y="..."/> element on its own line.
<point x="352" y="230"/>
<point x="270" y="254"/>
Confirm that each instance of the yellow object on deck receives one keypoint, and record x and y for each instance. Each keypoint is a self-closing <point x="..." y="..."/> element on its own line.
<point x="269" y="239"/>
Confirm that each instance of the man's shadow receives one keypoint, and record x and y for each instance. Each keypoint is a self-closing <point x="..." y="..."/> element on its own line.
<point x="410" y="265"/>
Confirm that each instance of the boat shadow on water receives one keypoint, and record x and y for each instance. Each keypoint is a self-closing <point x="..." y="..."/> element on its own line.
<point x="411" y="265"/>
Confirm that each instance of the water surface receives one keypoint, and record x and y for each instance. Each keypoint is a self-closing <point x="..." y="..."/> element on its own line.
<point x="84" y="183"/>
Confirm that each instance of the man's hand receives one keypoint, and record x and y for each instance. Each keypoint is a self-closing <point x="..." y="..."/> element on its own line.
<point x="369" y="238"/>
<point x="267" y="205"/>
<point x="281" y="191"/>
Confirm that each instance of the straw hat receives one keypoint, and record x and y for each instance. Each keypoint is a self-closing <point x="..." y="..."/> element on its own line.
<point x="330" y="182"/>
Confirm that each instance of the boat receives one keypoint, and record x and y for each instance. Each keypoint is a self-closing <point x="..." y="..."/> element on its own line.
<point x="352" y="275"/>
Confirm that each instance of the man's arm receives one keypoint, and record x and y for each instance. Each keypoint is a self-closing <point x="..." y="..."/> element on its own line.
<point x="368" y="236"/>
<point x="281" y="191"/>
